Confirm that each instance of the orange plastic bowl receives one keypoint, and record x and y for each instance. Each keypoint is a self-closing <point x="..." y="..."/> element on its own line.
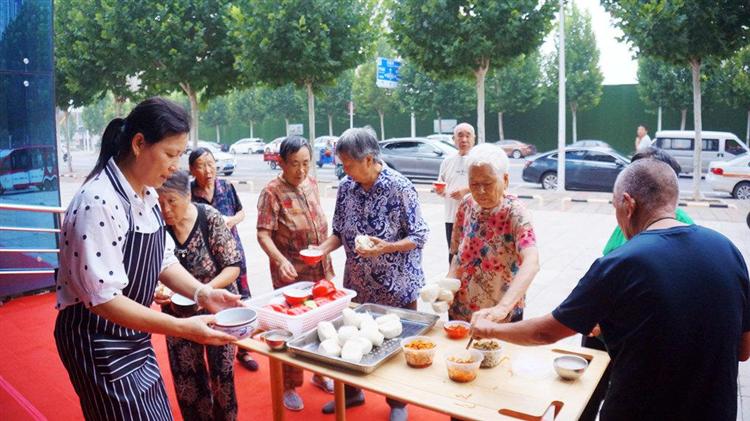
<point x="457" y="329"/>
<point x="296" y="296"/>
<point x="311" y="256"/>
<point x="439" y="187"/>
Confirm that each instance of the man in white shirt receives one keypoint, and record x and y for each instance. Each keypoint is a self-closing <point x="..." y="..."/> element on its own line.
<point x="642" y="140"/>
<point x="454" y="173"/>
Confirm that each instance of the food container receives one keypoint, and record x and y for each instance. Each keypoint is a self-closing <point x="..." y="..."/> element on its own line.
<point x="457" y="329"/>
<point x="570" y="367"/>
<point x="238" y="321"/>
<point x="439" y="187"/>
<point x="311" y="256"/>
<point x="419" y="351"/>
<point x="297" y="324"/>
<point x="296" y="296"/>
<point x="463" y="365"/>
<point x="491" y="350"/>
<point x="182" y="305"/>
<point x="276" y="339"/>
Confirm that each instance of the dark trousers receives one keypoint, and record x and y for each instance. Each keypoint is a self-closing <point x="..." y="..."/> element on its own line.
<point x="351" y="391"/>
<point x="592" y="408"/>
<point x="448" y="235"/>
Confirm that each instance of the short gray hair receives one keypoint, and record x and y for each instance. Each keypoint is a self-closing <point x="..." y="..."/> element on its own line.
<point x="467" y="125"/>
<point x="651" y="182"/>
<point x="179" y="183"/>
<point x="490" y="155"/>
<point x="359" y="143"/>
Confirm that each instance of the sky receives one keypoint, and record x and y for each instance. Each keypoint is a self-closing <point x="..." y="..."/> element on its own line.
<point x="615" y="59"/>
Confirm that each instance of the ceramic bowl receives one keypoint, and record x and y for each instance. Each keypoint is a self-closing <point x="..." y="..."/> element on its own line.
<point x="276" y="339"/>
<point x="439" y="187"/>
<point x="311" y="256"/>
<point x="296" y="296"/>
<point x="238" y="321"/>
<point x="182" y="305"/>
<point x="570" y="367"/>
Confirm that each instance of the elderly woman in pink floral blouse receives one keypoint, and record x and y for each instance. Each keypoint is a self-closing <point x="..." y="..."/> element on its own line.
<point x="493" y="244"/>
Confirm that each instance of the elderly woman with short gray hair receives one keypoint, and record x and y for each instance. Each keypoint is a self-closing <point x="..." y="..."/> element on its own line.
<point x="377" y="202"/>
<point x="493" y="243"/>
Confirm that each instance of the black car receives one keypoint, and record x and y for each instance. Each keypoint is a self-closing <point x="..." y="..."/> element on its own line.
<point x="593" y="169"/>
<point x="416" y="157"/>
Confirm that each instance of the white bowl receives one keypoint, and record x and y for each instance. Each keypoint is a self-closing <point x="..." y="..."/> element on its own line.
<point x="238" y="321"/>
<point x="570" y="367"/>
<point x="181" y="300"/>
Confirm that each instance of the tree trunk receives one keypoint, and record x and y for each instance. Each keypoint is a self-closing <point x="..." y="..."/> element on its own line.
<point x="747" y="130"/>
<point x="311" y="123"/>
<point x="118" y="106"/>
<point x="67" y="142"/>
<point x="193" y="97"/>
<point x="382" y="124"/>
<point x="252" y="123"/>
<point x="440" y="123"/>
<point x="658" y="122"/>
<point x="695" y="65"/>
<point x="574" y="120"/>
<point x="218" y="134"/>
<point x="500" y="129"/>
<point x="330" y="125"/>
<point x="683" y="113"/>
<point x="413" y="125"/>
<point x="286" y="126"/>
<point x="480" y="74"/>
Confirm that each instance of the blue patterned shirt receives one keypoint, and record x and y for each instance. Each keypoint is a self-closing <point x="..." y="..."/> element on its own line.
<point x="389" y="211"/>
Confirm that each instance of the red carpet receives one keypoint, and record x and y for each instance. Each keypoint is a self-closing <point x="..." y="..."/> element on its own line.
<point x="35" y="386"/>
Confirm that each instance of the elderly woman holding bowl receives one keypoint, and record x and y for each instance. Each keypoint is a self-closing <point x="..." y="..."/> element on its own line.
<point x="290" y="219"/>
<point x="203" y="374"/>
<point x="493" y="243"/>
<point x="381" y="204"/>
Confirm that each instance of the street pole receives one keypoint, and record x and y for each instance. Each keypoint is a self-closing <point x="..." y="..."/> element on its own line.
<point x="351" y="114"/>
<point x="561" y="105"/>
<point x="413" y="125"/>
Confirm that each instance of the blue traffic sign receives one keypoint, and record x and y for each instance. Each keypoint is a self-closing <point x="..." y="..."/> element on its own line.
<point x="387" y="75"/>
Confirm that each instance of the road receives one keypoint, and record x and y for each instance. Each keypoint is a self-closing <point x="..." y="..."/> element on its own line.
<point x="251" y="168"/>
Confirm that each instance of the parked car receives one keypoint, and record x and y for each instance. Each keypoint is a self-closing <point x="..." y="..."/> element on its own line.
<point x="248" y="145"/>
<point x="416" y="157"/>
<point x="731" y="176"/>
<point x="591" y="143"/>
<point x="717" y="146"/>
<point x="325" y="150"/>
<point x="593" y="169"/>
<point x="225" y="162"/>
<point x="28" y="167"/>
<point x="271" y="152"/>
<point x="516" y="149"/>
<point x="443" y="137"/>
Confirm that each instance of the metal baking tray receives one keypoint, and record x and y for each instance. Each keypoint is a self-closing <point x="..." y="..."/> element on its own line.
<point x="414" y="323"/>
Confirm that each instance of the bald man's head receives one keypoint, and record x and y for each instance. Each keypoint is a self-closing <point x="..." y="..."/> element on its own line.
<point x="644" y="190"/>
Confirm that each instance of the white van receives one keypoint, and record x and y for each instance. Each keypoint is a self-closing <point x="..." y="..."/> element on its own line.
<point x="717" y="146"/>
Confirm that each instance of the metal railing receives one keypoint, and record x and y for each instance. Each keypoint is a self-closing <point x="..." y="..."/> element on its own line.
<point x="55" y="210"/>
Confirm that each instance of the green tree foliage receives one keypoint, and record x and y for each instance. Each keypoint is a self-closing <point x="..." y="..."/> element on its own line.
<point x="334" y="98"/>
<point x="423" y="94"/>
<point x="515" y="87"/>
<point x="305" y="42"/>
<point x="285" y="101"/>
<point x="685" y="32"/>
<point x="583" y="79"/>
<point x="217" y="114"/>
<point x="248" y="106"/>
<point x="97" y="115"/>
<point x="736" y="83"/>
<point x="460" y="37"/>
<point x="369" y="98"/>
<point x="665" y="85"/>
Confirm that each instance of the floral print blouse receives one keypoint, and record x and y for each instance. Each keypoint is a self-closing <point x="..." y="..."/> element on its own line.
<point x="208" y="249"/>
<point x="389" y="210"/>
<point x="296" y="220"/>
<point x="488" y="245"/>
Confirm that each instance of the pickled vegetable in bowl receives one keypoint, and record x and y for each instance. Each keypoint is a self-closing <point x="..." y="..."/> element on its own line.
<point x="419" y="351"/>
<point x="464" y="365"/>
<point x="491" y="350"/>
<point x="457" y="329"/>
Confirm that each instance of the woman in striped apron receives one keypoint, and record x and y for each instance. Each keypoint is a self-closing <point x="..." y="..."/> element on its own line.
<point x="113" y="251"/>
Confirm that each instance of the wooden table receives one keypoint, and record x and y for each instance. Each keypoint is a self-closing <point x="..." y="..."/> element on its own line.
<point x="526" y="382"/>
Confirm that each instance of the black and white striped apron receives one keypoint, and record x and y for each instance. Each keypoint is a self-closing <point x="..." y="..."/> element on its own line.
<point x="113" y="368"/>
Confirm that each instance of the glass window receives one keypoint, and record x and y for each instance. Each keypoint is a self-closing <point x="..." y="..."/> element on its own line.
<point x="425" y="149"/>
<point x="680" y="144"/>
<point x="733" y="147"/>
<point x="575" y="155"/>
<point x="710" y="145"/>
<point x="600" y="157"/>
<point x="402" y="148"/>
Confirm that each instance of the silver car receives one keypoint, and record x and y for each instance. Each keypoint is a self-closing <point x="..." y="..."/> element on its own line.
<point x="416" y="157"/>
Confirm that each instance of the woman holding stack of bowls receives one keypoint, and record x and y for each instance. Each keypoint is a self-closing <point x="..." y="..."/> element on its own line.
<point x="221" y="195"/>
<point x="381" y="207"/>
<point x="113" y="250"/>
<point x="290" y="221"/>
<point x="493" y="243"/>
<point x="203" y="375"/>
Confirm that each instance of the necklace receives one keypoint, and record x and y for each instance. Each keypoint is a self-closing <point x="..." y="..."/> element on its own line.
<point x="657" y="220"/>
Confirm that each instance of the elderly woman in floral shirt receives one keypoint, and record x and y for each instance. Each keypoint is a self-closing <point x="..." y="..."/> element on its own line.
<point x="382" y="204"/>
<point x="493" y="242"/>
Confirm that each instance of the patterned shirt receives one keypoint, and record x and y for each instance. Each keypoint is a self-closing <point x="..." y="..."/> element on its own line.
<point x="488" y="245"/>
<point x="296" y="220"/>
<point x="389" y="210"/>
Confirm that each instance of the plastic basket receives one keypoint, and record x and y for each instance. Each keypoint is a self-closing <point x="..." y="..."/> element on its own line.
<point x="270" y="319"/>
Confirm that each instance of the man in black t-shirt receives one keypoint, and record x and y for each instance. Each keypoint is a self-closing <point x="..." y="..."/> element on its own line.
<point x="673" y="304"/>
